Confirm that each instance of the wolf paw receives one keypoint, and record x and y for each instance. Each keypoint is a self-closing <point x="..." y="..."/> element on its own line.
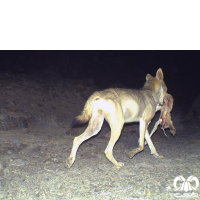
<point x="157" y="155"/>
<point x="131" y="153"/>
<point x="119" y="164"/>
<point x="69" y="162"/>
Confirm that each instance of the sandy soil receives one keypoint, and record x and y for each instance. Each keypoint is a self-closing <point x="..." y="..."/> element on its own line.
<point x="36" y="139"/>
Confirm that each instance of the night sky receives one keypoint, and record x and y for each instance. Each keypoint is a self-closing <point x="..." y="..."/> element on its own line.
<point x="112" y="68"/>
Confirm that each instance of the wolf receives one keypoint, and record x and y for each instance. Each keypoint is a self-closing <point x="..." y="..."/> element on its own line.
<point x="119" y="106"/>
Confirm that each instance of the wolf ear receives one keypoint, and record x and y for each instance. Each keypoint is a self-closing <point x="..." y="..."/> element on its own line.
<point x="159" y="74"/>
<point x="149" y="77"/>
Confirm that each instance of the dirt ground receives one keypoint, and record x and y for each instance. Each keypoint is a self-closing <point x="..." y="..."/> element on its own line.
<point x="36" y="139"/>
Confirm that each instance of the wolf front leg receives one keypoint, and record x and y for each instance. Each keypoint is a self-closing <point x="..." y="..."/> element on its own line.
<point x="154" y="128"/>
<point x="143" y="127"/>
<point x="150" y="144"/>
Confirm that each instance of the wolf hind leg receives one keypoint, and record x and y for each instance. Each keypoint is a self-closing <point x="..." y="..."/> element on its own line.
<point x="116" y="122"/>
<point x="93" y="128"/>
<point x="115" y="133"/>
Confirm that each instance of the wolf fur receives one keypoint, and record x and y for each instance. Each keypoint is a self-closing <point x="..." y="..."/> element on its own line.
<point x="119" y="106"/>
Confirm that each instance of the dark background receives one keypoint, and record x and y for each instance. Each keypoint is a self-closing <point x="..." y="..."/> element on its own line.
<point x="111" y="68"/>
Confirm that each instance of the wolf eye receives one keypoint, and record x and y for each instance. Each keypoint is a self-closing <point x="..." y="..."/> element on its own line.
<point x="164" y="88"/>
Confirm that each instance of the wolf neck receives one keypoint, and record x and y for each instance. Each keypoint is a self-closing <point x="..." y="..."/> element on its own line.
<point x="155" y="95"/>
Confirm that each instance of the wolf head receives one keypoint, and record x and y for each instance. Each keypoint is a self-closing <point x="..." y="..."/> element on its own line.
<point x="157" y="85"/>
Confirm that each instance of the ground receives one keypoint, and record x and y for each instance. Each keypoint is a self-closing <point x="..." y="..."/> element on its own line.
<point x="36" y="139"/>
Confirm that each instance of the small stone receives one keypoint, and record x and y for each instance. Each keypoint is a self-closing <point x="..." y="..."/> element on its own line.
<point x="148" y="192"/>
<point x="17" y="162"/>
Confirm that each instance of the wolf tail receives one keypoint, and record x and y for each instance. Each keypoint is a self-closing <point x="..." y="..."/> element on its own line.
<point x="87" y="110"/>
